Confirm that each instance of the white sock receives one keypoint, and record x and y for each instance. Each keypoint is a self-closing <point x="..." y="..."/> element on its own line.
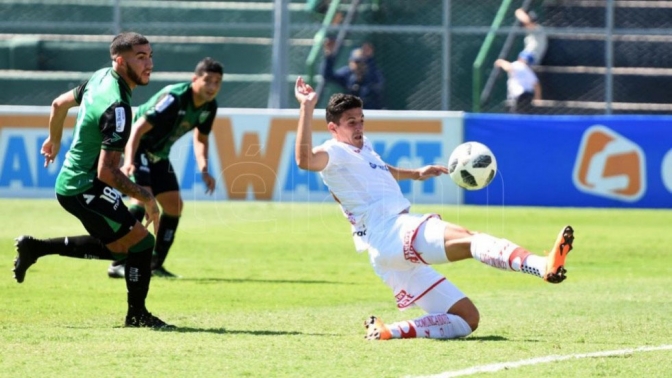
<point x="431" y="326"/>
<point x="534" y="265"/>
<point x="493" y="251"/>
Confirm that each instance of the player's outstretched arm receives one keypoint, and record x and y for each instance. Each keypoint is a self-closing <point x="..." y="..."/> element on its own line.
<point x="59" y="111"/>
<point x="421" y="174"/>
<point x="306" y="157"/>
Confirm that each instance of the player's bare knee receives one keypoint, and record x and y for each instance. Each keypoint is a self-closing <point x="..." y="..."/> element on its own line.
<point x="473" y="318"/>
<point x="123" y="244"/>
<point x="116" y="247"/>
<point x="466" y="309"/>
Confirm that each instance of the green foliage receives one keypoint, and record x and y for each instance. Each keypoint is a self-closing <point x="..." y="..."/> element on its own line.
<point x="276" y="290"/>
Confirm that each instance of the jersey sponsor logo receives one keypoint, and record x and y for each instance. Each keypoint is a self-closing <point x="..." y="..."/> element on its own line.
<point x="374" y="166"/>
<point x="164" y="103"/>
<point x="610" y="165"/>
<point x="120" y="119"/>
<point x="359" y="233"/>
<point x="203" y="116"/>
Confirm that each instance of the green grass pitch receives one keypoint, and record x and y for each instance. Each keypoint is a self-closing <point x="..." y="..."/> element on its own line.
<point x="277" y="290"/>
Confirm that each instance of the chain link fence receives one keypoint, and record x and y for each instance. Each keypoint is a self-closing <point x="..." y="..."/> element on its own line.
<point x="609" y="56"/>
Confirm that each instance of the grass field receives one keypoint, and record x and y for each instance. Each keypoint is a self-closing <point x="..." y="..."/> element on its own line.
<point x="277" y="290"/>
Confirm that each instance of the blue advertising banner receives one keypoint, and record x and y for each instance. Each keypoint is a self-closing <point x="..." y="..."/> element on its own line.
<point x="586" y="161"/>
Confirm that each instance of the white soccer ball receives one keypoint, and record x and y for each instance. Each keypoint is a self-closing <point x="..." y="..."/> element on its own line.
<point x="472" y="165"/>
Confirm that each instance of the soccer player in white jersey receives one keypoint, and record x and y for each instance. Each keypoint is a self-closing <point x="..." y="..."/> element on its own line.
<point x="402" y="246"/>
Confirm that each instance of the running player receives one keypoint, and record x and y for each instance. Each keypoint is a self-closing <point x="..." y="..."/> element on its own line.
<point x="159" y="123"/>
<point x="89" y="183"/>
<point x="403" y="245"/>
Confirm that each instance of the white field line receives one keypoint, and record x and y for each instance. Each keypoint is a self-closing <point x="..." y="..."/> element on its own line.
<point x="492" y="368"/>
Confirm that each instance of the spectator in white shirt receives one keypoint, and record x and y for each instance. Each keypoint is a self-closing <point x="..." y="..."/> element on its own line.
<point x="522" y="86"/>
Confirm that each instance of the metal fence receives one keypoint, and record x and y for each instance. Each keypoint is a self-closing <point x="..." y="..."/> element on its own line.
<point x="608" y="56"/>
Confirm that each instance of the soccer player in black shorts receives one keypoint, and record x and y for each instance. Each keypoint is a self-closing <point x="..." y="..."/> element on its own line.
<point x="159" y="123"/>
<point x="90" y="183"/>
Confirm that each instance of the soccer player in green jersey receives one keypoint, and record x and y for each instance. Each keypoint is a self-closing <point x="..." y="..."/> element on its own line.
<point x="90" y="182"/>
<point x="159" y="123"/>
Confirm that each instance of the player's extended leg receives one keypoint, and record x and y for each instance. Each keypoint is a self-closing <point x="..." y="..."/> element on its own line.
<point x="430" y="326"/>
<point x="460" y="320"/>
<point x="503" y="254"/>
<point x="29" y="249"/>
<point x="171" y="206"/>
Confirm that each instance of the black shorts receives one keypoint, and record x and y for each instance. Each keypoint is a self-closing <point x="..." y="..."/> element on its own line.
<point x="101" y="211"/>
<point x="523" y="104"/>
<point x="158" y="175"/>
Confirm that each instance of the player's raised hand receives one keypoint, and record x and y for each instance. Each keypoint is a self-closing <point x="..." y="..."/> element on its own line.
<point x="304" y="93"/>
<point x="430" y="171"/>
<point x="50" y="150"/>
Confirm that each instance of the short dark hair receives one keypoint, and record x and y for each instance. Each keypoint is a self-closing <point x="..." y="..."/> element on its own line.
<point x="125" y="41"/>
<point x="339" y="103"/>
<point x="209" y="65"/>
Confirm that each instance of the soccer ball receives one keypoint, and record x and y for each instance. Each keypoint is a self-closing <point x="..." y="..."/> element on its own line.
<point x="472" y="165"/>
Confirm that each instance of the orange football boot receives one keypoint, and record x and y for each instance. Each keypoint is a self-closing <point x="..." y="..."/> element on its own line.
<point x="376" y="329"/>
<point x="555" y="265"/>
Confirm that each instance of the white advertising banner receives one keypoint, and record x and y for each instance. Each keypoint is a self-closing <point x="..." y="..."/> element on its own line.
<point x="251" y="154"/>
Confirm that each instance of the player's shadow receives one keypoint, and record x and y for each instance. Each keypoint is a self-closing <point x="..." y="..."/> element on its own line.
<point x="224" y="331"/>
<point x="249" y="280"/>
<point x="481" y="338"/>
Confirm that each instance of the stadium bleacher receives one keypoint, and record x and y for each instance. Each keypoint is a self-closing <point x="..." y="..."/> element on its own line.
<point x="47" y="46"/>
<point x="574" y="65"/>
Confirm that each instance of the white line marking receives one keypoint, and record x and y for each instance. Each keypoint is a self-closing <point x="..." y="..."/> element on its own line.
<point x="492" y="368"/>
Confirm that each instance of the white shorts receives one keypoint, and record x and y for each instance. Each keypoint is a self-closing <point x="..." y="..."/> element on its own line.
<point x="401" y="250"/>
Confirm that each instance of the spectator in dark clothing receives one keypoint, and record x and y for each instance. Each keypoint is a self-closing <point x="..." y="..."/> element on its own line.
<point x="360" y="77"/>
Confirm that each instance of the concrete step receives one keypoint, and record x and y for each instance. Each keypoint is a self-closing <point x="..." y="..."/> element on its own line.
<point x="628" y="87"/>
<point x="239" y="55"/>
<point x="629" y="51"/>
<point x="592" y="14"/>
<point x="40" y="88"/>
<point x="232" y="18"/>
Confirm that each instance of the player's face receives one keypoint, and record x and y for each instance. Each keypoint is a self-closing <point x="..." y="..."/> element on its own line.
<point x="206" y="87"/>
<point x="138" y="64"/>
<point x="350" y="128"/>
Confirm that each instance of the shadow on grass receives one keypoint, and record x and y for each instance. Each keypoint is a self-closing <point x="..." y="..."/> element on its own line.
<point x="248" y="280"/>
<point x="482" y="338"/>
<point x="224" y="331"/>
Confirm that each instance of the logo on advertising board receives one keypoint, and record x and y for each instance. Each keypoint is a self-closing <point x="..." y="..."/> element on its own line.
<point x="610" y="165"/>
<point x="251" y="156"/>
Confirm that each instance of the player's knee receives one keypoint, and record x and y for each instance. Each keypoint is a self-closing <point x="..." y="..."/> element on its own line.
<point x="466" y="309"/>
<point x="173" y="208"/>
<point x="145" y="244"/>
<point x="473" y="318"/>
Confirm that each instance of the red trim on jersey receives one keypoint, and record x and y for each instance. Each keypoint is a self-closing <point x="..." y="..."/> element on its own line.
<point x="410" y="253"/>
